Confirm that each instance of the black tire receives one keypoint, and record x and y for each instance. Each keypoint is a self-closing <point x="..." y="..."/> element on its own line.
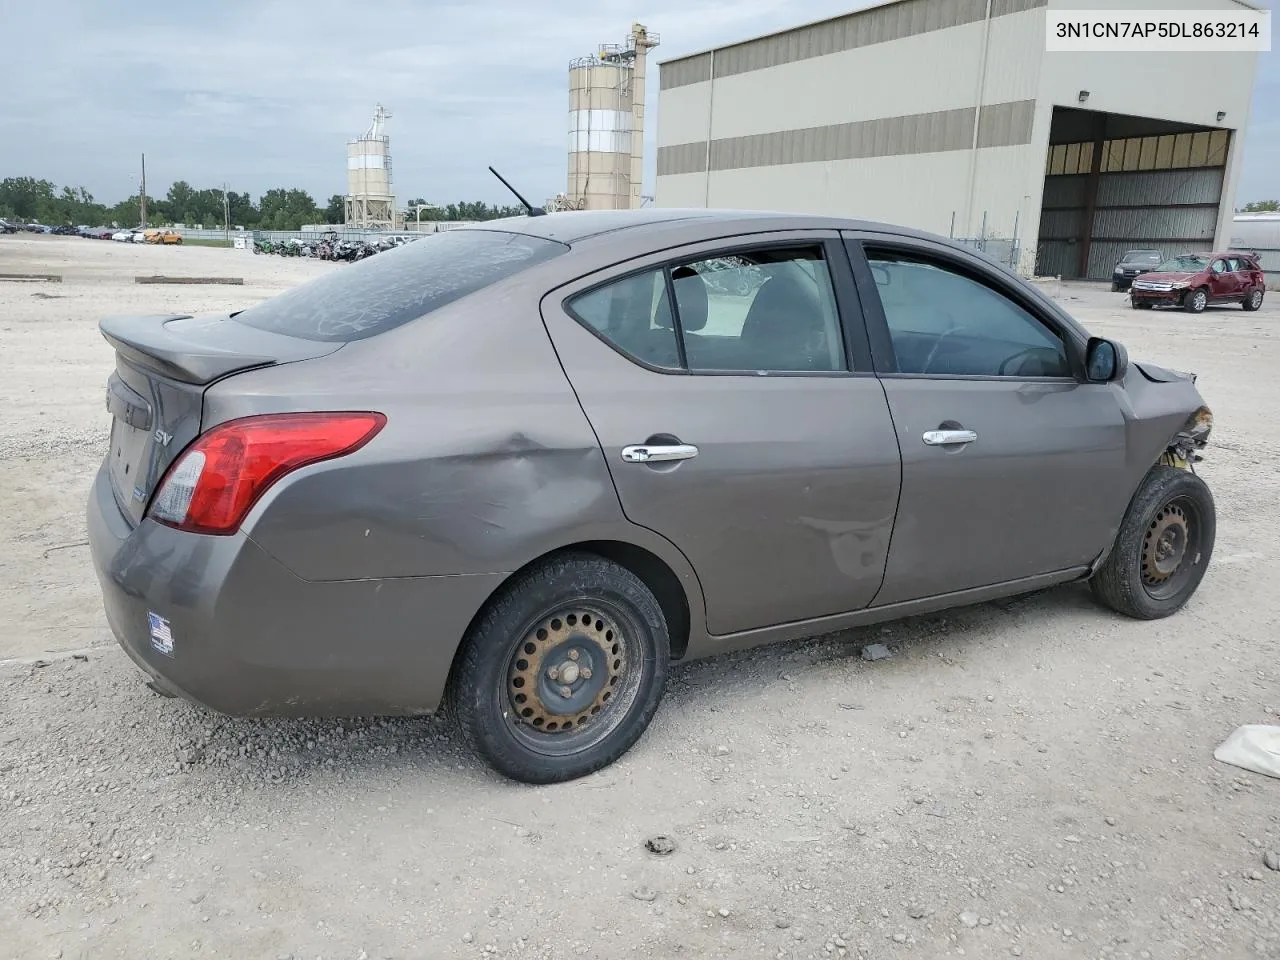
<point x="1138" y="580"/>
<point x="1115" y="288"/>
<point x="1139" y="305"/>
<point x="624" y="647"/>
<point x="1196" y="300"/>
<point x="1253" y="301"/>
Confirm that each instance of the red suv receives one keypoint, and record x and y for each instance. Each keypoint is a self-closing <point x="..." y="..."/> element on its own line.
<point x="1195" y="280"/>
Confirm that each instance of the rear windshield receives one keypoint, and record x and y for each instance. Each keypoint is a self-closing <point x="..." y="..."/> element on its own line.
<point x="394" y="287"/>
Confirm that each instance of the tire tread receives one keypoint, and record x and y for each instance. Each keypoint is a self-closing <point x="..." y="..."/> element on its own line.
<point x="490" y="638"/>
<point x="1118" y="582"/>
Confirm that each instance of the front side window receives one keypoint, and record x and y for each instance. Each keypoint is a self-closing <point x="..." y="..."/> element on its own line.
<point x="1219" y="266"/>
<point x="770" y="310"/>
<point x="945" y="323"/>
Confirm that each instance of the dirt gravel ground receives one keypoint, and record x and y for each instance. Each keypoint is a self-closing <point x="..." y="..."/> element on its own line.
<point x="1032" y="778"/>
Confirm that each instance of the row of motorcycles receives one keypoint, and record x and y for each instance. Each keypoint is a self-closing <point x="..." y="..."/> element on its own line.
<point x="328" y="247"/>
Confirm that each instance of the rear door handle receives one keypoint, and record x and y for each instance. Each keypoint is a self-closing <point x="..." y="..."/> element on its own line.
<point x="942" y="438"/>
<point x="644" y="453"/>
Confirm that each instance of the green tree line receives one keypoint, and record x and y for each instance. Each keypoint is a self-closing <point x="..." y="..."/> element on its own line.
<point x="31" y="199"/>
<point x="1261" y="206"/>
<point x="466" y="210"/>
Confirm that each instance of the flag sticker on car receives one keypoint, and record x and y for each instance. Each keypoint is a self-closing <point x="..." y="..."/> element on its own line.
<point x="161" y="634"/>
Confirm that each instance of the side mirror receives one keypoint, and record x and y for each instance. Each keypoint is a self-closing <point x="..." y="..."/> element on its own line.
<point x="1105" y="361"/>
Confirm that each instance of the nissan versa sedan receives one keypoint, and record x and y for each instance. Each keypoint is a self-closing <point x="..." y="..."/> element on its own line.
<point x="519" y="468"/>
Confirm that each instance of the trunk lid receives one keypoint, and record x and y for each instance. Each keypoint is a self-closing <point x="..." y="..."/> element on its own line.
<point x="156" y="395"/>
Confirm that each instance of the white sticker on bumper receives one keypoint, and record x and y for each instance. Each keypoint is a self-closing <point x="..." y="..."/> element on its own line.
<point x="161" y="634"/>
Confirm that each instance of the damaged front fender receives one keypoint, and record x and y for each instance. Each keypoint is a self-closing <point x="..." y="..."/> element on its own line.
<point x="1184" y="449"/>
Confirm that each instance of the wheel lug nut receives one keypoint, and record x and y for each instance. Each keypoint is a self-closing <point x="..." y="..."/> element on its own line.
<point x="566" y="692"/>
<point x="573" y="654"/>
<point x="553" y="674"/>
<point x="586" y="673"/>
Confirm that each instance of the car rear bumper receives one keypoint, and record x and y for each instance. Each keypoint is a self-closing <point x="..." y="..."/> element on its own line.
<point x="251" y="638"/>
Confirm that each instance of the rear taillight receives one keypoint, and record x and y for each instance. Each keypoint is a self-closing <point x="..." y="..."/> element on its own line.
<point x="211" y="487"/>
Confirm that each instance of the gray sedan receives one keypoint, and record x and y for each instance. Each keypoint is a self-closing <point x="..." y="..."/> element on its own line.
<point x="520" y="468"/>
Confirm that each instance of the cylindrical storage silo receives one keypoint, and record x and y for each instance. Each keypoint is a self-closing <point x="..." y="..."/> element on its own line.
<point x="600" y="123"/>
<point x="370" y="202"/>
<point x="368" y="170"/>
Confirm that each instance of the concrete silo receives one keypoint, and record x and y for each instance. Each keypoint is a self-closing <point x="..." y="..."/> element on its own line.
<point x="370" y="203"/>
<point x="606" y="124"/>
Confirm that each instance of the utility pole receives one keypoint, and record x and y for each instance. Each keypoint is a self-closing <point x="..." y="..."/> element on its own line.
<point x="226" y="216"/>
<point x="142" y="197"/>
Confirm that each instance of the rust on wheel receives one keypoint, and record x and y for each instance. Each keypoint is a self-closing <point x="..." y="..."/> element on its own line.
<point x="1165" y="544"/>
<point x="567" y="671"/>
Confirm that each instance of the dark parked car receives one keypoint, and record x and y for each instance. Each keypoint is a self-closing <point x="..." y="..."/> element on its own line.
<point x="1195" y="280"/>
<point x="1133" y="264"/>
<point x="7" y="226"/>
<point x="522" y="466"/>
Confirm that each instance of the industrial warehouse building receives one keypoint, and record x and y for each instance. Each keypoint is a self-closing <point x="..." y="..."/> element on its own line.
<point x="950" y="116"/>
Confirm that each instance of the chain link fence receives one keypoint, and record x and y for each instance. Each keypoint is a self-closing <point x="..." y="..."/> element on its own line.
<point x="1007" y="253"/>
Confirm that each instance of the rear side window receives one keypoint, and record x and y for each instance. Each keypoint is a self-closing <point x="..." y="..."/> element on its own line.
<point x="758" y="310"/>
<point x="392" y="288"/>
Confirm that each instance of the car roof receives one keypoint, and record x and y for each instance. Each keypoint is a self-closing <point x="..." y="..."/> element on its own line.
<point x="1220" y="253"/>
<point x="575" y="226"/>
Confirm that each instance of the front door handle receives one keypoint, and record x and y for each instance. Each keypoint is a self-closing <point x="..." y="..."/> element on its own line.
<point x="646" y="453"/>
<point x="942" y="438"/>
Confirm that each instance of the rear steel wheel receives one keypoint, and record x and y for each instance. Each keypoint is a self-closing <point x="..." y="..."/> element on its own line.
<point x="1253" y="301"/>
<point x="563" y="670"/>
<point x="1163" y="547"/>
<point x="572" y="680"/>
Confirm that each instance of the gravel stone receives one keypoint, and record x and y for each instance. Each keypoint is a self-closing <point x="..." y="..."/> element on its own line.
<point x="389" y="828"/>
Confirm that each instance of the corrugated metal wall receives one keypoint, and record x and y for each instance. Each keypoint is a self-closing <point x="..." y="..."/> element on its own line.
<point x="1169" y="210"/>
<point x="1262" y="235"/>
<point x="1057" y="258"/>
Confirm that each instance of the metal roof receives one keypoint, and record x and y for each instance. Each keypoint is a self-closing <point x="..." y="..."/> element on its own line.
<point x="1248" y="4"/>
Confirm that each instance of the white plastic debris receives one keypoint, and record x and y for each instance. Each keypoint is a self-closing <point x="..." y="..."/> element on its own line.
<point x="1254" y="747"/>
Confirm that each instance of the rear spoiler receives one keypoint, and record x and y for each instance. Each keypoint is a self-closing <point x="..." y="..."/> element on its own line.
<point x="147" y="342"/>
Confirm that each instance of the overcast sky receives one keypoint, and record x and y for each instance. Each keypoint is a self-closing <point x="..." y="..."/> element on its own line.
<point x="265" y="93"/>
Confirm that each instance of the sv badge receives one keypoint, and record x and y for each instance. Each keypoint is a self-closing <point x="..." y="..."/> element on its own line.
<point x="163" y="438"/>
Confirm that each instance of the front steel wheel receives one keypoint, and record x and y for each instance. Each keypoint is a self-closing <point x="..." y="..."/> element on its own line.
<point x="1163" y="547"/>
<point x="1196" y="301"/>
<point x="563" y="671"/>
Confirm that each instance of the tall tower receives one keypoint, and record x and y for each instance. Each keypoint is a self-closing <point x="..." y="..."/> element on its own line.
<point x="369" y="201"/>
<point x="606" y="124"/>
